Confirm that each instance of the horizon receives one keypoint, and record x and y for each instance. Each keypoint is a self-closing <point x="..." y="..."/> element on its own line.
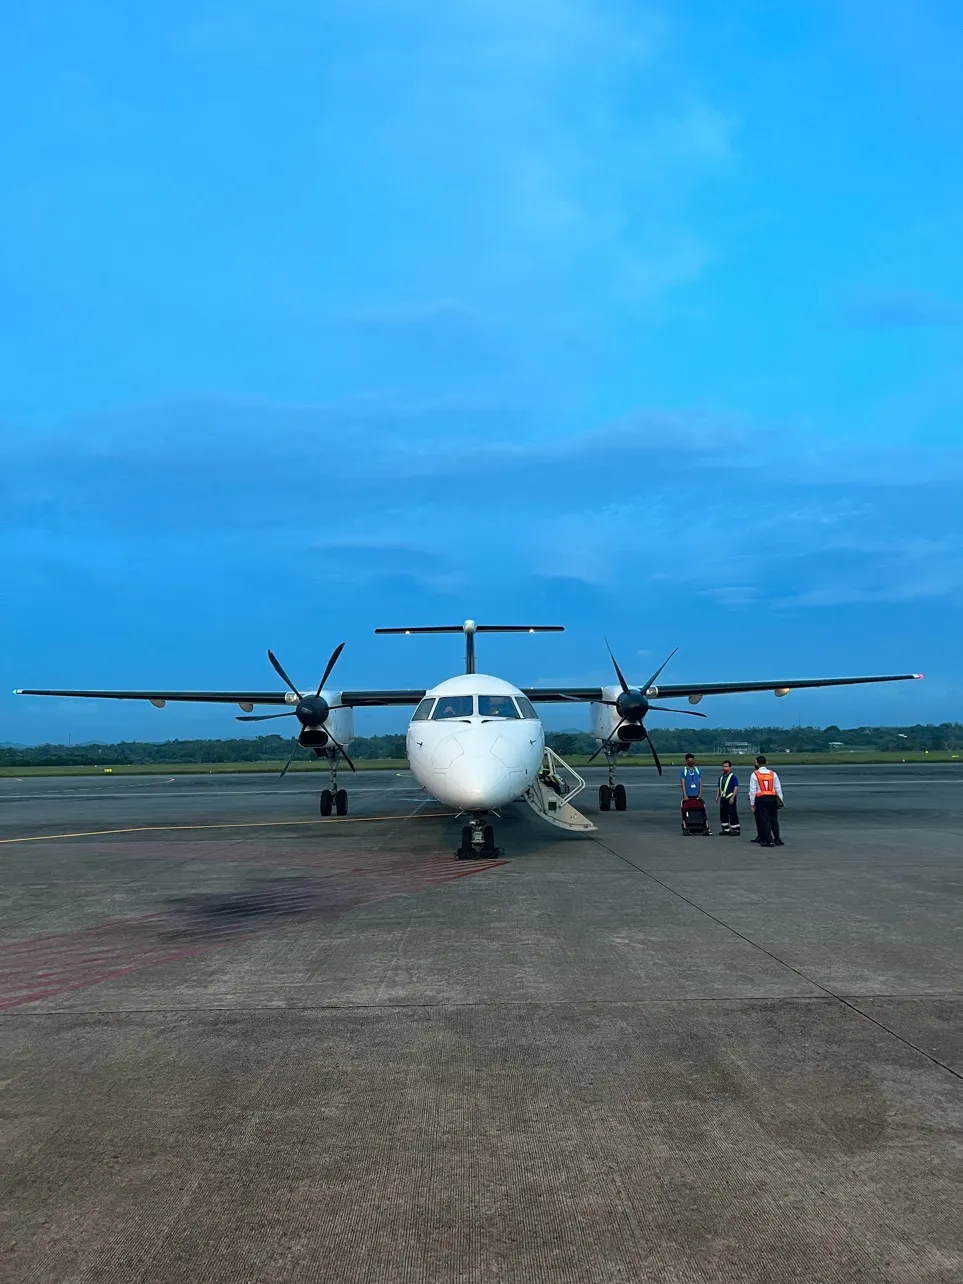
<point x="768" y="728"/>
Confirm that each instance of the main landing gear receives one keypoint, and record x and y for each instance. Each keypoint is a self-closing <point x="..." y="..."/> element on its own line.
<point x="334" y="799"/>
<point x="477" y="841"/>
<point x="612" y="793"/>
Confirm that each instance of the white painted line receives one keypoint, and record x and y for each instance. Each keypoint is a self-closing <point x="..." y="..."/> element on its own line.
<point x="176" y="794"/>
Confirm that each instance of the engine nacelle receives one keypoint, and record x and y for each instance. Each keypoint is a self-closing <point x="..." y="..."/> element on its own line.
<point x="604" y="718"/>
<point x="337" y="726"/>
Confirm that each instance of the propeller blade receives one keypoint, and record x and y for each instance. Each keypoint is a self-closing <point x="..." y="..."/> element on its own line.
<point x="290" y="760"/>
<point x="651" y="681"/>
<point x="607" y="741"/>
<point x="331" y="663"/>
<point x="263" y="717"/>
<point x="276" y="664"/>
<point x="658" y="765"/>
<point x="690" y="713"/>
<point x="620" y="675"/>
<point x="344" y="752"/>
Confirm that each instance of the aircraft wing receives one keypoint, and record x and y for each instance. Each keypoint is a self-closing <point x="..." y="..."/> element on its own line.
<point x="544" y="695"/>
<point x="558" y="695"/>
<point x="243" y="698"/>
<point x="376" y="699"/>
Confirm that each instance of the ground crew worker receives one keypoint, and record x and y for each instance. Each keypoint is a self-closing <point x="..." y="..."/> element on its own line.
<point x="765" y="799"/>
<point x="690" y="777"/>
<point x="726" y="798"/>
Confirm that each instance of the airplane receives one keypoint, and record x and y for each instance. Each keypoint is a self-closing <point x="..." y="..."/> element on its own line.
<point x="475" y="741"/>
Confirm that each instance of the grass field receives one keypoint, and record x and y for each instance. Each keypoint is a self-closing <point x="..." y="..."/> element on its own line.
<point x="386" y="764"/>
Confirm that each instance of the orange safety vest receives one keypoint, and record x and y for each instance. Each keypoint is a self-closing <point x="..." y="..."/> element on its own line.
<point x="765" y="782"/>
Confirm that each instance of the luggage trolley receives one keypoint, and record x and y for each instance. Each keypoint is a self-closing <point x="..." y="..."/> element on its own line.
<point x="695" y="818"/>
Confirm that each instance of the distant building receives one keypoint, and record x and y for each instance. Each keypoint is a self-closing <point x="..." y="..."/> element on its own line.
<point x="737" y="750"/>
<point x="836" y="744"/>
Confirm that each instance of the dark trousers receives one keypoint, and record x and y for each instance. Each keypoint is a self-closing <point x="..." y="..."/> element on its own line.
<point x="767" y="818"/>
<point x="728" y="815"/>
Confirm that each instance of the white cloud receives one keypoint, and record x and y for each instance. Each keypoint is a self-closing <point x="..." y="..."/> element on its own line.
<point x="500" y="131"/>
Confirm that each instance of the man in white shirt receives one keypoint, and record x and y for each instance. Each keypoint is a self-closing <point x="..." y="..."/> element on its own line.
<point x="765" y="799"/>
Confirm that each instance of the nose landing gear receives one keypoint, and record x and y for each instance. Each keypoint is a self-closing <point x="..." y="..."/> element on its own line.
<point x="477" y="841"/>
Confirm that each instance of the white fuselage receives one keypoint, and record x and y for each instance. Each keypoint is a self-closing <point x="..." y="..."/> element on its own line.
<point x="475" y="742"/>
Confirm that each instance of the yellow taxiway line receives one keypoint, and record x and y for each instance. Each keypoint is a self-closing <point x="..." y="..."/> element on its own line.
<point x="240" y="824"/>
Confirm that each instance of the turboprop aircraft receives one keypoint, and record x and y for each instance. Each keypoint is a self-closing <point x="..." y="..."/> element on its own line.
<point x="475" y="742"/>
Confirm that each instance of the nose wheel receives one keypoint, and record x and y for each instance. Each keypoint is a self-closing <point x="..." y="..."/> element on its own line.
<point x="477" y="842"/>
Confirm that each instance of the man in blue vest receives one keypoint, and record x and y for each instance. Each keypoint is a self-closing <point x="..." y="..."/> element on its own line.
<point x="726" y="798"/>
<point x="690" y="778"/>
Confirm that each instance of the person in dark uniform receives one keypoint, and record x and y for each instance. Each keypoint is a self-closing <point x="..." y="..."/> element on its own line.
<point x="765" y="799"/>
<point x="726" y="798"/>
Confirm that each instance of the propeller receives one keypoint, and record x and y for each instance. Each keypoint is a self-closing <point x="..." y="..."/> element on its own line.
<point x="632" y="705"/>
<point x="341" y="749"/>
<point x="310" y="710"/>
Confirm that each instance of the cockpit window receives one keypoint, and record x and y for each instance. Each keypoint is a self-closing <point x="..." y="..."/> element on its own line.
<point x="526" y="707"/>
<point x="423" y="711"/>
<point x="454" y="707"/>
<point x="500" y="706"/>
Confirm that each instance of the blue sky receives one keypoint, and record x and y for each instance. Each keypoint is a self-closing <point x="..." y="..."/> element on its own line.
<point x="645" y="320"/>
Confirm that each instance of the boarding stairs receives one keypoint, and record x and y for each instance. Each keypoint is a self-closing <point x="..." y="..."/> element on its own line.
<point x="550" y="795"/>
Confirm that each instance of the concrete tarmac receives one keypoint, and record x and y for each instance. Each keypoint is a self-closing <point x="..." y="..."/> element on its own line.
<point x="239" y="1042"/>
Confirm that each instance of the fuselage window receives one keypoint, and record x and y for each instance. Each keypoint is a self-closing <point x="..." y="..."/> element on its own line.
<point x="496" y="707"/>
<point x="423" y="711"/>
<point x="526" y="707"/>
<point x="454" y="707"/>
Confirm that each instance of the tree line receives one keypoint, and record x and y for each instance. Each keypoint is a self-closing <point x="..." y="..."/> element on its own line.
<point x="946" y="736"/>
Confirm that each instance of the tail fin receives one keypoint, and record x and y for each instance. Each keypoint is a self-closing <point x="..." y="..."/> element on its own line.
<point x="470" y="628"/>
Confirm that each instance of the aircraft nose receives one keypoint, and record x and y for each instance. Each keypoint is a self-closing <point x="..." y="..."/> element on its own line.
<point x="497" y="766"/>
<point x="478" y="782"/>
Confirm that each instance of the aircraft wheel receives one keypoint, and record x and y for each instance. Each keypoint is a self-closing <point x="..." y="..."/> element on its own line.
<point x="605" y="797"/>
<point x="488" y="843"/>
<point x="341" y="802"/>
<point x="618" y="797"/>
<point x="464" y="852"/>
<point x="327" y="798"/>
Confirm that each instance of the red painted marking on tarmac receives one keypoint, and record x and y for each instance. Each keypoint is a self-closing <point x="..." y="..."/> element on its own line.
<point x="42" y="967"/>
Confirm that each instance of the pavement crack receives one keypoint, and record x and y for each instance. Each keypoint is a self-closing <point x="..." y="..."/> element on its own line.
<point x="811" y="980"/>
